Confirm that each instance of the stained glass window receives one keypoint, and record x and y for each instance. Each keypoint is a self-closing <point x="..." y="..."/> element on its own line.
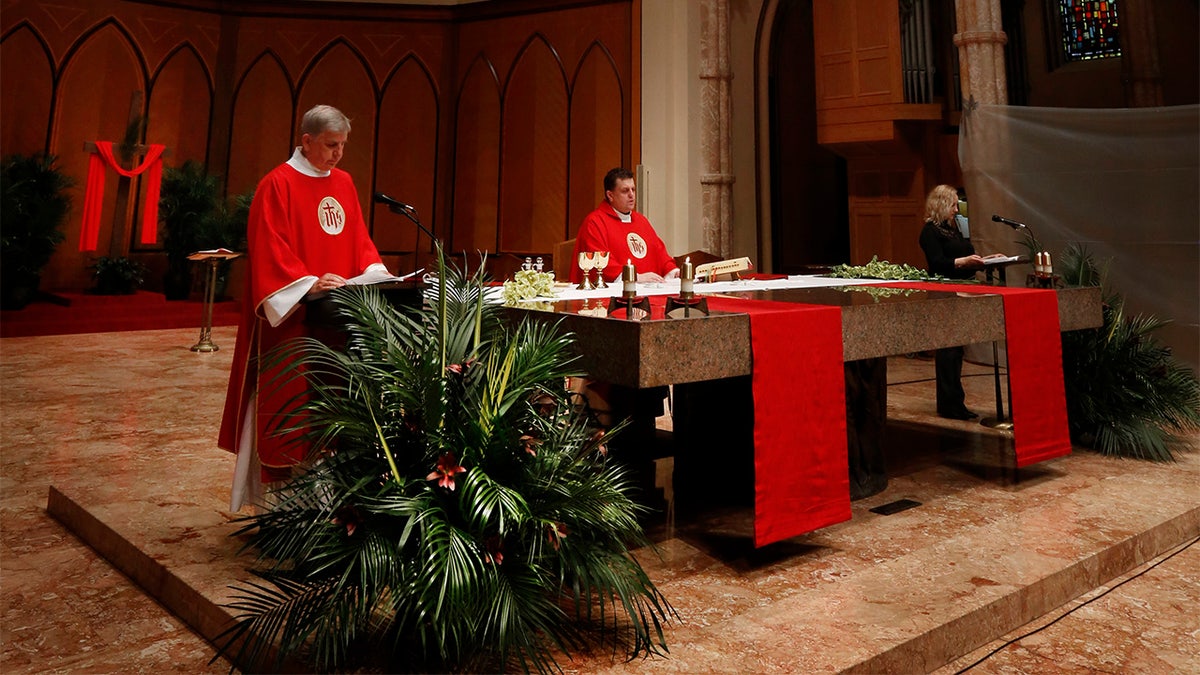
<point x="1089" y="29"/>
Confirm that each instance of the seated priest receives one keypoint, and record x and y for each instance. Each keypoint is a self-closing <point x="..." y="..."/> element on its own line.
<point x="306" y="235"/>
<point x="626" y="234"/>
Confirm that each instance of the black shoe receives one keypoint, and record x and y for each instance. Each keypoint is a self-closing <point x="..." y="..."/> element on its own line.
<point x="962" y="414"/>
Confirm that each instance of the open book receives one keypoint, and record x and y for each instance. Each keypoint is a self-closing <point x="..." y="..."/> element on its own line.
<point x="1002" y="260"/>
<point x="378" y="275"/>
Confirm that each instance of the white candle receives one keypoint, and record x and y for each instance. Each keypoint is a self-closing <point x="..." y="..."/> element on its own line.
<point x="629" y="280"/>
<point x="687" y="278"/>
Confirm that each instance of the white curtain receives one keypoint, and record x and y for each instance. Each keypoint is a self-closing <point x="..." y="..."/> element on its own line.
<point x="1125" y="183"/>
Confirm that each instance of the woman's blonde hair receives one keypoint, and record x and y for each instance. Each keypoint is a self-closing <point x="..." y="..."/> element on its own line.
<point x="939" y="205"/>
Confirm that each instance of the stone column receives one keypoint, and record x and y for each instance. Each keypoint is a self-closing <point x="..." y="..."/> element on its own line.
<point x="1139" y="54"/>
<point x="716" y="113"/>
<point x="980" y="41"/>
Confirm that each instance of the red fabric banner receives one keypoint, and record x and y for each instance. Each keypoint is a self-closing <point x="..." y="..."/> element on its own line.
<point x="94" y="193"/>
<point x="801" y="475"/>
<point x="1039" y="400"/>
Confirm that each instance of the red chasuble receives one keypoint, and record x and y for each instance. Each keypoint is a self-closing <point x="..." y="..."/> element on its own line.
<point x="635" y="242"/>
<point x="300" y="226"/>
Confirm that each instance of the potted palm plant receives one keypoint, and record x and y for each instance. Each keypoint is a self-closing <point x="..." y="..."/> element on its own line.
<point x="457" y="512"/>
<point x="1126" y="395"/>
<point x="33" y="208"/>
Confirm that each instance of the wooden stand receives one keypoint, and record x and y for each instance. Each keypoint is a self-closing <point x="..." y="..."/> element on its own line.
<point x="212" y="260"/>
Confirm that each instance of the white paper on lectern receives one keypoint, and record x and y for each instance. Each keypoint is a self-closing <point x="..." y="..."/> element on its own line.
<point x="1002" y="260"/>
<point x="378" y="274"/>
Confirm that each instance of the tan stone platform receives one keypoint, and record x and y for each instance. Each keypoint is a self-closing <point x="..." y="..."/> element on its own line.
<point x="119" y="432"/>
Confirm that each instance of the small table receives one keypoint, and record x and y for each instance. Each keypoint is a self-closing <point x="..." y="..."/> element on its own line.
<point x="212" y="260"/>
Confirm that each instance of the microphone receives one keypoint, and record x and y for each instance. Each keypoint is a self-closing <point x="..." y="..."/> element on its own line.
<point x="394" y="204"/>
<point x="997" y="219"/>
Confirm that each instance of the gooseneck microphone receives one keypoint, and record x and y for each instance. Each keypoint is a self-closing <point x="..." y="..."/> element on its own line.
<point x="407" y="210"/>
<point x="998" y="219"/>
<point x="393" y="204"/>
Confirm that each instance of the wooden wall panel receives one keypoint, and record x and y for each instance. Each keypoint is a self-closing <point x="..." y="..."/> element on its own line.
<point x="596" y="132"/>
<point x="263" y="129"/>
<point x="180" y="107"/>
<point x="887" y="201"/>
<point x="406" y="157"/>
<point x="339" y="78"/>
<point x="477" y="160"/>
<point x="857" y="49"/>
<point x="227" y="82"/>
<point x="28" y="77"/>
<point x="533" y="166"/>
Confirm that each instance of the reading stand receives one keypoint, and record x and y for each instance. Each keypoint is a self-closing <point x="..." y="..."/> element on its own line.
<point x="212" y="260"/>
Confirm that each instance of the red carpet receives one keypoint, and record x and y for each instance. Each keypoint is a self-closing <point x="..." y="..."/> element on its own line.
<point x="109" y="313"/>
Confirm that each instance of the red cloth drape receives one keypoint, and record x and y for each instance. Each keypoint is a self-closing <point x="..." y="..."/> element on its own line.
<point x="94" y="195"/>
<point x="1039" y="401"/>
<point x="801" y="476"/>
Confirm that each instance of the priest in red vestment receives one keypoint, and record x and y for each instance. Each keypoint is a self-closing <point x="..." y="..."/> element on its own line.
<point x="626" y="234"/>
<point x="306" y="234"/>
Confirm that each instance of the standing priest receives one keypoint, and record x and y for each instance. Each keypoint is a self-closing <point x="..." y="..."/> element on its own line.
<point x="306" y="235"/>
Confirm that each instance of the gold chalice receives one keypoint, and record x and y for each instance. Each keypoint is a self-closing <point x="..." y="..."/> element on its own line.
<point x="587" y="263"/>
<point x="601" y="263"/>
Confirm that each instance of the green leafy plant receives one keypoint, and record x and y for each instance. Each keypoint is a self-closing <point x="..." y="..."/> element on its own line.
<point x="1126" y="395"/>
<point x="117" y="275"/>
<point x="457" y="511"/>
<point x="195" y="218"/>
<point x="33" y="207"/>
<point x="881" y="269"/>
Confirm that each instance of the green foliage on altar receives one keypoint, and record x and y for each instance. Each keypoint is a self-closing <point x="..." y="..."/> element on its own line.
<point x="457" y="513"/>
<point x="1126" y="395"/>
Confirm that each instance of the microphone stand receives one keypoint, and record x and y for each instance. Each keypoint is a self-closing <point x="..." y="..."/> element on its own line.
<point x="408" y="213"/>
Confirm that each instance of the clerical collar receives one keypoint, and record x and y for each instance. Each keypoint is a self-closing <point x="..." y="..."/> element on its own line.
<point x="300" y="163"/>
<point x="625" y="217"/>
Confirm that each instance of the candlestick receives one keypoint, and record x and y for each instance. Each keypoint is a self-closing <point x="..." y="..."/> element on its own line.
<point x="1047" y="265"/>
<point x="686" y="279"/>
<point x="628" y="280"/>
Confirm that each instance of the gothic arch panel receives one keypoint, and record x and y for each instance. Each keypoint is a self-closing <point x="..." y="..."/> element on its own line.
<point x="477" y="160"/>
<point x="339" y="77"/>
<point x="596" y="132"/>
<point x="28" y="76"/>
<point x="533" y="169"/>
<point x="180" y="107"/>
<point x="100" y="79"/>
<point x="263" y="130"/>
<point x="406" y="157"/>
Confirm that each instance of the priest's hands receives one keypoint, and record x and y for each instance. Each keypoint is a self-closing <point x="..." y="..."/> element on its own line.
<point x="673" y="274"/>
<point x="327" y="282"/>
<point x="649" y="278"/>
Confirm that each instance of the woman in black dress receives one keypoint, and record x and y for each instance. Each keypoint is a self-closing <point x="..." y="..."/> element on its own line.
<point x="950" y="254"/>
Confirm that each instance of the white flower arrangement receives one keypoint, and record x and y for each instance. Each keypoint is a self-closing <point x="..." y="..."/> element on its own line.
<point x="527" y="285"/>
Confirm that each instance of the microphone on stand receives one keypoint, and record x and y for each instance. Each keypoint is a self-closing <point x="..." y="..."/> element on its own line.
<point x="407" y="210"/>
<point x="996" y="219"/>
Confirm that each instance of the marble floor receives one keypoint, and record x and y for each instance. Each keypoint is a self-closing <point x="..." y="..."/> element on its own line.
<point x="1083" y="563"/>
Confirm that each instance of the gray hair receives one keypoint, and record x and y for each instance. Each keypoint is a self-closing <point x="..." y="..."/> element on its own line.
<point x="322" y="118"/>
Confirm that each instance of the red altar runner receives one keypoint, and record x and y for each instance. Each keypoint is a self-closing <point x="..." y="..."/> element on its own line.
<point x="1039" y="401"/>
<point x="801" y="475"/>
